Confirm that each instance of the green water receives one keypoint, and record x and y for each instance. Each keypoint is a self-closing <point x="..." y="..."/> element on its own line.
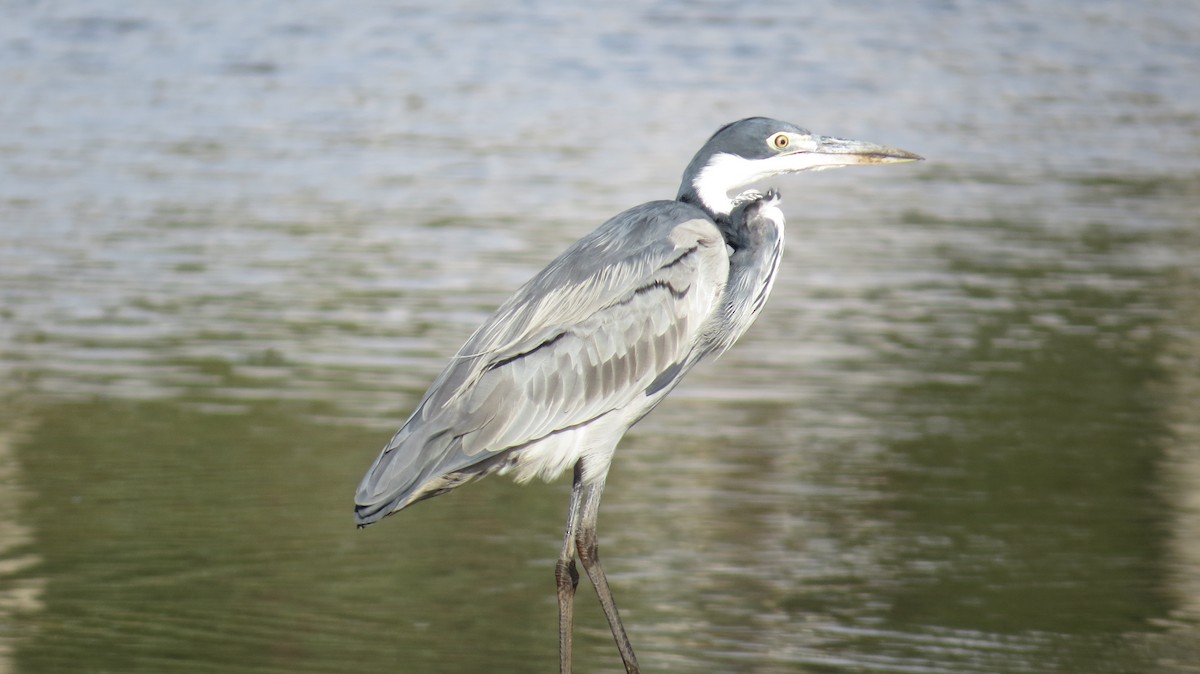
<point x="1011" y="495"/>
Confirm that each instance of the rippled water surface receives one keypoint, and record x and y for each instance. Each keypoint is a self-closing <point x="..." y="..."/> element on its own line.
<point x="238" y="240"/>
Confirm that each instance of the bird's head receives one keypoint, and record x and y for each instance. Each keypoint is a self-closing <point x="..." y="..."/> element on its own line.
<point x="750" y="150"/>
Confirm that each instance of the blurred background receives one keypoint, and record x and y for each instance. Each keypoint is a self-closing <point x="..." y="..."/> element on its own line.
<point x="239" y="239"/>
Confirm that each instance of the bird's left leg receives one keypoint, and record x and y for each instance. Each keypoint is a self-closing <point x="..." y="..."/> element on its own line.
<point x="566" y="575"/>
<point x="589" y="557"/>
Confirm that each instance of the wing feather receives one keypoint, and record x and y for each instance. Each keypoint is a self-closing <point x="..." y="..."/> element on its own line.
<point x="586" y="336"/>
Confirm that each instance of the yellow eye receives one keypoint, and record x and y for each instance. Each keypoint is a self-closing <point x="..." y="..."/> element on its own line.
<point x="780" y="141"/>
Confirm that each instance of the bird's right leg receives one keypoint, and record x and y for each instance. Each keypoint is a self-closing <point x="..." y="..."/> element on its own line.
<point x="567" y="576"/>
<point x="589" y="556"/>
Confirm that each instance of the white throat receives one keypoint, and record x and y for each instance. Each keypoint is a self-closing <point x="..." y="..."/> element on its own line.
<point x="726" y="172"/>
<point x="723" y="174"/>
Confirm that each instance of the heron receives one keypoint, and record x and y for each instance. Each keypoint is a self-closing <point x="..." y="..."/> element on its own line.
<point x="593" y="342"/>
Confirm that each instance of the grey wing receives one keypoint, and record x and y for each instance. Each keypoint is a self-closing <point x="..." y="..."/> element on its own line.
<point x="601" y="331"/>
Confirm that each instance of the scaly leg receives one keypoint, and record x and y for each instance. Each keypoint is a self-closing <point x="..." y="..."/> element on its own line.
<point x="566" y="575"/>
<point x="589" y="557"/>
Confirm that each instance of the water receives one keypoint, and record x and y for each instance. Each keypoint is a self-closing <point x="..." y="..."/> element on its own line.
<point x="238" y="241"/>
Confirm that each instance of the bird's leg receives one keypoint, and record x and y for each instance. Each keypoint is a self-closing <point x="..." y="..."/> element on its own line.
<point x="589" y="557"/>
<point x="566" y="575"/>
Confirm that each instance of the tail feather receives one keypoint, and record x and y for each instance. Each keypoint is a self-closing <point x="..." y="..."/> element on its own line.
<point x="414" y="468"/>
<point x="398" y="472"/>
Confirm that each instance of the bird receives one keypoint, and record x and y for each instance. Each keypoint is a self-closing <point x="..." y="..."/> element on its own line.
<point x="593" y="342"/>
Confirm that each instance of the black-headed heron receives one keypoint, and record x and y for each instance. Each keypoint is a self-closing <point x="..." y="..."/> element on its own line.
<point x="595" y="340"/>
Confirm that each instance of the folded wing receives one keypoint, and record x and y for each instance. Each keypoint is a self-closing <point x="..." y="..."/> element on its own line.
<point x="595" y="339"/>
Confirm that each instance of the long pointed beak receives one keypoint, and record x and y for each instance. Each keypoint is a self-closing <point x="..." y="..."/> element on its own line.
<point x="843" y="152"/>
